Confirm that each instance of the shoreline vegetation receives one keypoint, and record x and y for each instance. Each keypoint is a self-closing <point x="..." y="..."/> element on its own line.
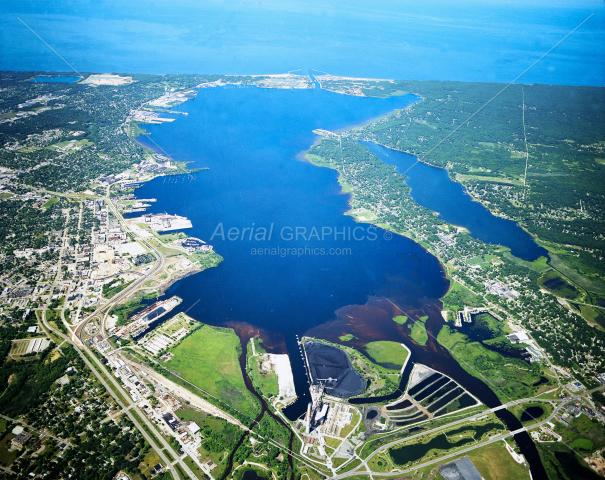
<point x="405" y="217"/>
<point x="542" y="293"/>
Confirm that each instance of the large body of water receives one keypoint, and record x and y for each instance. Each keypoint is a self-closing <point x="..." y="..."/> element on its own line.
<point x="432" y="188"/>
<point x="464" y="40"/>
<point x="335" y="281"/>
<point x="251" y="141"/>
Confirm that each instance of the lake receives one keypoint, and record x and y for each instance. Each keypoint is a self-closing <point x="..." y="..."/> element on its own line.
<point x="251" y="140"/>
<point x="432" y="188"/>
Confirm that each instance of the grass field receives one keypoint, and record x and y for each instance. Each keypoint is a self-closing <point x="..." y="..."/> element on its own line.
<point x="190" y="414"/>
<point x="169" y="237"/>
<point x="418" y="333"/>
<point x="349" y="428"/>
<point x="350" y="466"/>
<point x="209" y="358"/>
<point x="265" y="382"/>
<point x="199" y="473"/>
<point x="150" y="460"/>
<point x="539" y="265"/>
<point x="387" y="352"/>
<point x="587" y="435"/>
<point x="458" y="297"/>
<point x="593" y="315"/>
<point x="167" y="252"/>
<point x="495" y="463"/>
<point x="50" y="202"/>
<point x="381" y="463"/>
<point x="332" y="442"/>
<point x="346" y="338"/>
<point x="400" y="319"/>
<point x="472" y="178"/>
<point x="512" y="377"/>
<point x="6" y="457"/>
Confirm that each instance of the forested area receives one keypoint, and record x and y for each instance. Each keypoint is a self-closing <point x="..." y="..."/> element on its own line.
<point x="476" y="131"/>
<point x="24" y="226"/>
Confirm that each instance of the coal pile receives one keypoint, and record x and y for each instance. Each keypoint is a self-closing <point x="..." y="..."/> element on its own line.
<point x="331" y="367"/>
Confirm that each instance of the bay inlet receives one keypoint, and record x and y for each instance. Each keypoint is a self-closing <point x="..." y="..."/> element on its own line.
<point x="250" y="139"/>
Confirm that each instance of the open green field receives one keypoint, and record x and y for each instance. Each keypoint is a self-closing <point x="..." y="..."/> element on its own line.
<point x="486" y="178"/>
<point x="199" y="473"/>
<point x="7" y="457"/>
<point x="512" y="378"/>
<point x="418" y="333"/>
<point x="50" y="202"/>
<point x="209" y="358"/>
<point x="73" y="143"/>
<point x="350" y="466"/>
<point x="190" y="414"/>
<point x="167" y="252"/>
<point x="495" y="463"/>
<point x="400" y="319"/>
<point x="206" y="259"/>
<point x="539" y="265"/>
<point x="458" y="296"/>
<point x="346" y="338"/>
<point x="150" y="460"/>
<point x="587" y="435"/>
<point x="332" y="442"/>
<point x="593" y="315"/>
<point x="266" y="383"/>
<point x="574" y="269"/>
<point x="170" y="237"/>
<point x="387" y="353"/>
<point x="381" y="463"/>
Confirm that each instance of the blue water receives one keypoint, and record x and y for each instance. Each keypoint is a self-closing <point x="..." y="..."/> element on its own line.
<point x="251" y="140"/>
<point x="435" y="40"/>
<point x="432" y="188"/>
<point x="55" y="79"/>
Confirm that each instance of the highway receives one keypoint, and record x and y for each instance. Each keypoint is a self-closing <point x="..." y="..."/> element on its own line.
<point x="562" y="403"/>
<point x="156" y="440"/>
<point x="103" y="310"/>
<point x="125" y="406"/>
